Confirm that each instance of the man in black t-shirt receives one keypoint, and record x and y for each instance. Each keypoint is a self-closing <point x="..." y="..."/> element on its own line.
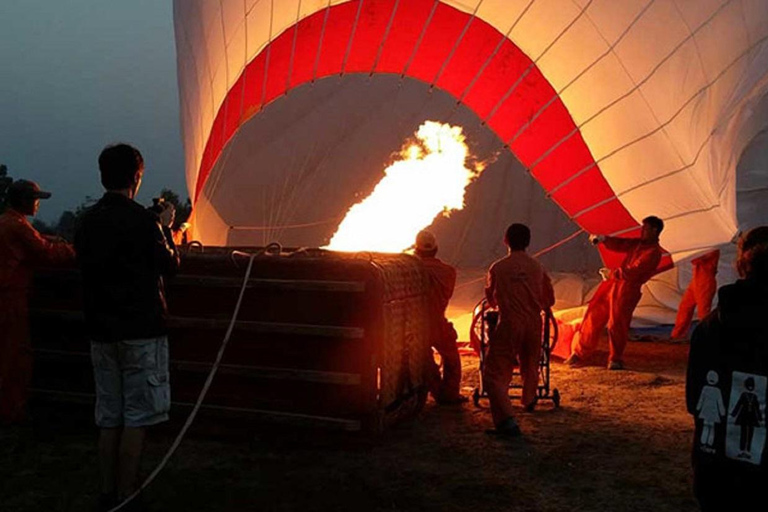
<point x="124" y="251"/>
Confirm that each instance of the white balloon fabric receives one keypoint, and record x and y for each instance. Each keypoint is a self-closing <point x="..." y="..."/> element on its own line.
<point x="619" y="109"/>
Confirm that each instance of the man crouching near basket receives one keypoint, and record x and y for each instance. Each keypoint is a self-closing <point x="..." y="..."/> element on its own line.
<point x="124" y="250"/>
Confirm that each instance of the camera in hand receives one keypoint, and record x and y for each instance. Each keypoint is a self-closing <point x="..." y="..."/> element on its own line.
<point x="158" y="205"/>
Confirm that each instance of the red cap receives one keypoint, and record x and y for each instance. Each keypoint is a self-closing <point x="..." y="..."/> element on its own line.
<point x="26" y="188"/>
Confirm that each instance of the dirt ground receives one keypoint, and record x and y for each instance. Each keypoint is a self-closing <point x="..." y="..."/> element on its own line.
<point x="620" y="441"/>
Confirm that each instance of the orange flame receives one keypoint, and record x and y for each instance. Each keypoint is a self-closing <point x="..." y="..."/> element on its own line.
<point x="428" y="181"/>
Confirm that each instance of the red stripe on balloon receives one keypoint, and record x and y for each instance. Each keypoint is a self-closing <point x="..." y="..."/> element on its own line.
<point x="562" y="162"/>
<point x="253" y="86"/>
<point x="234" y="105"/>
<point x="305" y="53"/>
<point x="590" y="188"/>
<point x="410" y="17"/>
<point x="371" y="27"/>
<point x="336" y="40"/>
<point x="530" y="133"/>
<point x="279" y="60"/>
<point x="498" y="76"/>
<point x="464" y="65"/>
<point x="439" y="39"/>
<point x="609" y="217"/>
<point x="529" y="95"/>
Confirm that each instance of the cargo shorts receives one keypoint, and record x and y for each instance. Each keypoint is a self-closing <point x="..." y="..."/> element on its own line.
<point x="132" y="382"/>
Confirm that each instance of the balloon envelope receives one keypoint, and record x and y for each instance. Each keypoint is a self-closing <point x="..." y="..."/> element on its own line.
<point x="617" y="110"/>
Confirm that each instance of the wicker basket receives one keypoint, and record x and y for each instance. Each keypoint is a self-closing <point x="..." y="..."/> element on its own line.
<point x="325" y="339"/>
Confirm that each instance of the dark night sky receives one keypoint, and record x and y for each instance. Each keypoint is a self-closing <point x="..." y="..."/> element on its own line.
<point x="79" y="74"/>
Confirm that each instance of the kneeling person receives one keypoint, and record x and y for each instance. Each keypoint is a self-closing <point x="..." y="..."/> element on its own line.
<point x="442" y="277"/>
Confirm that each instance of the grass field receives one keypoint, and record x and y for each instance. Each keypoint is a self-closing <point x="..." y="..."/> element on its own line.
<point x="620" y="441"/>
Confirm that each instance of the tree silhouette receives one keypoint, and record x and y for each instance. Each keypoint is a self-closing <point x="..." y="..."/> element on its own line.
<point x="183" y="210"/>
<point x="68" y="220"/>
<point x="67" y="224"/>
<point x="5" y="182"/>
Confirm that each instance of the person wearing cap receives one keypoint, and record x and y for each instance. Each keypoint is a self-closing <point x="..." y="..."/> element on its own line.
<point x="124" y="252"/>
<point x="442" y="279"/>
<point x="22" y="250"/>
<point x="520" y="288"/>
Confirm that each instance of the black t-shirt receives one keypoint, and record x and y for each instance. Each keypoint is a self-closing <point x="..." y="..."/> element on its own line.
<point x="124" y="253"/>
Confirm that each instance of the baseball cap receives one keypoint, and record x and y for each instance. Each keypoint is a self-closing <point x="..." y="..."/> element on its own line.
<point x="426" y="241"/>
<point x="29" y="189"/>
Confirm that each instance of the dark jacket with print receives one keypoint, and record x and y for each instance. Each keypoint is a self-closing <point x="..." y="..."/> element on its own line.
<point x="733" y="343"/>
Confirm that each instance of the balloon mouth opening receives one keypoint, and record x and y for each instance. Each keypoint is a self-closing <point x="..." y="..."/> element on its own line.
<point x="296" y="172"/>
<point x="427" y="180"/>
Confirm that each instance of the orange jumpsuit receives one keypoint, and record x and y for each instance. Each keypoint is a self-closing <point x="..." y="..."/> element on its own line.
<point x="520" y="287"/>
<point x="616" y="299"/>
<point x="21" y="249"/>
<point x="443" y="280"/>
<point x="699" y="293"/>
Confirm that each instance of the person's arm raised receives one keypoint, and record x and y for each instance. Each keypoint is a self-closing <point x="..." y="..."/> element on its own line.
<point x="619" y="244"/>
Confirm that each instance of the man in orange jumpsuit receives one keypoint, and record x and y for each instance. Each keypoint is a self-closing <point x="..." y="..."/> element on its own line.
<point x="22" y="249"/>
<point x="699" y="293"/>
<point x="520" y="287"/>
<point x="442" y="277"/>
<point x="616" y="298"/>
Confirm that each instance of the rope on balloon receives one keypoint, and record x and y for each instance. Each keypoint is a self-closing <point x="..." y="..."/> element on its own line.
<point x="535" y="255"/>
<point x="286" y="226"/>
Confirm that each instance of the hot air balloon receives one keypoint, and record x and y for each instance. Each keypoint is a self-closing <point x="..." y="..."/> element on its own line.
<point x="590" y="115"/>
